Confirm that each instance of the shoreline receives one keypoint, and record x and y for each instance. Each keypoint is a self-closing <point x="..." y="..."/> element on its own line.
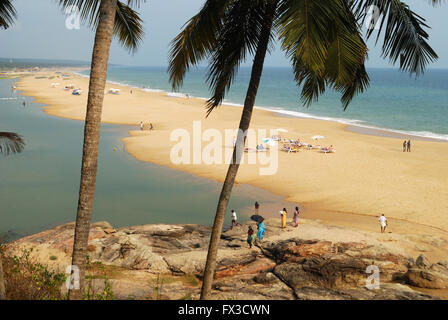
<point x="351" y="127"/>
<point x="310" y="208"/>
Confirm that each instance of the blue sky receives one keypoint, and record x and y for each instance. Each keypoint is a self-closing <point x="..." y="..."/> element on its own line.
<point x="40" y="32"/>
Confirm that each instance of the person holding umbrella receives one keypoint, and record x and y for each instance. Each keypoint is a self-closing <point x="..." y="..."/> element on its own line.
<point x="261" y="229"/>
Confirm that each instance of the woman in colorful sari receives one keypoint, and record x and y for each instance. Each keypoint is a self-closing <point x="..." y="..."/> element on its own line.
<point x="283" y="215"/>
<point x="260" y="232"/>
<point x="296" y="217"/>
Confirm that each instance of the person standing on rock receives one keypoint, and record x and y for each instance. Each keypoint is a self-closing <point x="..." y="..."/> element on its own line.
<point x="296" y="217"/>
<point x="234" y="218"/>
<point x="250" y="236"/>
<point x="383" y="223"/>
<point x="260" y="232"/>
<point x="283" y="214"/>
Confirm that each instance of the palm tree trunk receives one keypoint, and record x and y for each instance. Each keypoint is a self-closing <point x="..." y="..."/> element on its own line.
<point x="257" y="69"/>
<point x="2" y="281"/>
<point x="98" y="73"/>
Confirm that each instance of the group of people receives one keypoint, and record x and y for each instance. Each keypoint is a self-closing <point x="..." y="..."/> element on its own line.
<point x="407" y="146"/>
<point x="261" y="228"/>
<point x="142" y="126"/>
<point x="284" y="213"/>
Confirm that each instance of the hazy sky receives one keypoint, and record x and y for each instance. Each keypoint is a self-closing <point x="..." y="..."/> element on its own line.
<point x="40" y="32"/>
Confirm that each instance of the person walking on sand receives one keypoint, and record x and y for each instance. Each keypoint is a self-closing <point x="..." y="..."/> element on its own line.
<point x="234" y="218"/>
<point x="383" y="223"/>
<point x="283" y="214"/>
<point x="257" y="206"/>
<point x="260" y="232"/>
<point x="409" y="146"/>
<point x="151" y="126"/>
<point x="404" y="146"/>
<point x="250" y="236"/>
<point x="141" y="125"/>
<point x="296" y="217"/>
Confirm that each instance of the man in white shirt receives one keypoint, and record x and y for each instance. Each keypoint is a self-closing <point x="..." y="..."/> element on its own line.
<point x="383" y="223"/>
<point x="234" y="218"/>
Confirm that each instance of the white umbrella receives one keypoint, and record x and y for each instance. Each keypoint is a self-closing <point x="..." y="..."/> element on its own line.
<point x="282" y="130"/>
<point x="317" y="137"/>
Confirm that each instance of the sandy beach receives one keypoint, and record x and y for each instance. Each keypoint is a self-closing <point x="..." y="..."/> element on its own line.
<point x="368" y="174"/>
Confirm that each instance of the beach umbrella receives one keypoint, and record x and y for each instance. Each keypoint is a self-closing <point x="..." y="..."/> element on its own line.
<point x="269" y="141"/>
<point x="257" y="218"/>
<point x="317" y="137"/>
<point x="281" y="130"/>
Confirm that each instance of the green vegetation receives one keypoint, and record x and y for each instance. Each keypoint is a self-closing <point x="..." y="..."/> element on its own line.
<point x="26" y="279"/>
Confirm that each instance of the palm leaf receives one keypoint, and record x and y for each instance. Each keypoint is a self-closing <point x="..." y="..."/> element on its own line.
<point x="405" y="38"/>
<point x="238" y="37"/>
<point x="7" y="13"/>
<point x="196" y="40"/>
<point x="128" y="26"/>
<point x="11" y="142"/>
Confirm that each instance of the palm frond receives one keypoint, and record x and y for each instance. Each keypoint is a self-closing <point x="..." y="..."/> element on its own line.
<point x="11" y="142"/>
<point x="196" y="40"/>
<point x="306" y="29"/>
<point x="7" y="14"/>
<point x="324" y="53"/>
<point x="128" y="28"/>
<point x="238" y="38"/>
<point x="405" y="38"/>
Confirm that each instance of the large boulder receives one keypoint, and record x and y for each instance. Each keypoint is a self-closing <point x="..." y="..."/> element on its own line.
<point x="426" y="275"/>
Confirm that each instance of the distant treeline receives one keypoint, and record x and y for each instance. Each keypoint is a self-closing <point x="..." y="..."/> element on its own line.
<point x="9" y="63"/>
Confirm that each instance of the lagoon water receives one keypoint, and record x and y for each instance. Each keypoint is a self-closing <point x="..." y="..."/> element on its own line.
<point x="39" y="187"/>
<point x="394" y="100"/>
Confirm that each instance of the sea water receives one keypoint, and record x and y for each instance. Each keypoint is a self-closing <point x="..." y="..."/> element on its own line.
<point x="394" y="100"/>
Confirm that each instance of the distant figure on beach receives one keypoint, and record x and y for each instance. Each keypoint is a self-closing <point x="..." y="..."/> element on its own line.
<point x="404" y="146"/>
<point x="131" y="91"/>
<point x="257" y="206"/>
<point x="383" y="223"/>
<point x="260" y="232"/>
<point x="283" y="214"/>
<point x="296" y="217"/>
<point x="141" y="125"/>
<point x="24" y="103"/>
<point x="250" y="236"/>
<point x="409" y="146"/>
<point x="234" y="218"/>
<point x="151" y="127"/>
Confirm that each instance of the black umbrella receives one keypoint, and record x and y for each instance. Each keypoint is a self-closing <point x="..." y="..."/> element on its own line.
<point x="257" y="218"/>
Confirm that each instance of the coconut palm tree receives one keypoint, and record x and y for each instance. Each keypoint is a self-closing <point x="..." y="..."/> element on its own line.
<point x="10" y="142"/>
<point x="324" y="42"/>
<point x="109" y="17"/>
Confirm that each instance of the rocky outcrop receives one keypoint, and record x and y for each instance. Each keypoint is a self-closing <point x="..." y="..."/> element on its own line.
<point x="423" y="274"/>
<point x="287" y="267"/>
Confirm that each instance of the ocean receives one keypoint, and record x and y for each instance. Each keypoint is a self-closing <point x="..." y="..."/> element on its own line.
<point x="394" y="101"/>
